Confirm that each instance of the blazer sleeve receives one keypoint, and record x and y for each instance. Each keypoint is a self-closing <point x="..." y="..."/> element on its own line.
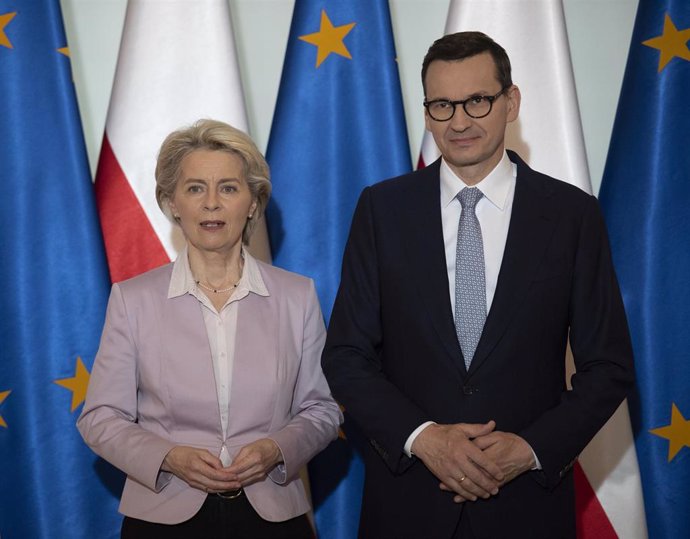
<point x="316" y="417"/>
<point x="351" y="359"/>
<point x="108" y="420"/>
<point x="602" y="352"/>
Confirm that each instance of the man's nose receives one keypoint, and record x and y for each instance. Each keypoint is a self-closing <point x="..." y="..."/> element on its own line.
<point x="460" y="120"/>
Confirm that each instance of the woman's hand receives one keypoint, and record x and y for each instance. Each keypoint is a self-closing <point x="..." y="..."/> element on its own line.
<point x="255" y="460"/>
<point x="200" y="469"/>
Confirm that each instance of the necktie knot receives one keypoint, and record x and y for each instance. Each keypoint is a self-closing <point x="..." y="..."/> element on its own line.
<point x="469" y="197"/>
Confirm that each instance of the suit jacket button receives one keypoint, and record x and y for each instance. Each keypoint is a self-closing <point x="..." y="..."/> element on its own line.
<point x="469" y="390"/>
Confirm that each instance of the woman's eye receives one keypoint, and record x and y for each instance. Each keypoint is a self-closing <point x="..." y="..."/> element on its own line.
<point x="228" y="189"/>
<point x="477" y="99"/>
<point x="194" y="189"/>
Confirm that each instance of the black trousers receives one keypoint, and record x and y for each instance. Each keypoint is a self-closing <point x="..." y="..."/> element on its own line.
<point x="220" y="518"/>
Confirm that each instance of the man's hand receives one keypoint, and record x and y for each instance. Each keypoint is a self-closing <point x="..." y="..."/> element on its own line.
<point x="199" y="469"/>
<point x="510" y="452"/>
<point x="451" y="455"/>
<point x="255" y="460"/>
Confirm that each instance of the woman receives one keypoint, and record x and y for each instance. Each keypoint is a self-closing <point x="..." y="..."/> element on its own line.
<point x="207" y="390"/>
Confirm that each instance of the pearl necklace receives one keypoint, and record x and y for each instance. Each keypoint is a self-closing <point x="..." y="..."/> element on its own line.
<point x="217" y="290"/>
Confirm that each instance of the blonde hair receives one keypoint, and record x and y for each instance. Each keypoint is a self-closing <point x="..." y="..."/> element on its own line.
<point x="216" y="136"/>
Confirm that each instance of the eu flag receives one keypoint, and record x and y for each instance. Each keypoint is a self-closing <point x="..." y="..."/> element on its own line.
<point x="56" y="288"/>
<point x="338" y="126"/>
<point x="645" y="195"/>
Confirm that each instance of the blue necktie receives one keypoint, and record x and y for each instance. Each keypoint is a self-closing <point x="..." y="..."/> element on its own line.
<point x="470" y="281"/>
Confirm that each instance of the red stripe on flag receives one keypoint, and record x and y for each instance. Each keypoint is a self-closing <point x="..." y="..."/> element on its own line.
<point x="131" y="243"/>
<point x="592" y="522"/>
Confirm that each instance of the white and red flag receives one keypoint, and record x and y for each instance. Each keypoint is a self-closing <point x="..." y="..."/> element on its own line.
<point x="177" y="64"/>
<point x="548" y="135"/>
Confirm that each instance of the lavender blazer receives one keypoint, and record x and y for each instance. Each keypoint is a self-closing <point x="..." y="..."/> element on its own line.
<point x="152" y="387"/>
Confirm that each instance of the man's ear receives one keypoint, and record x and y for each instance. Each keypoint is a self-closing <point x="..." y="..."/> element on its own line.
<point x="514" y="97"/>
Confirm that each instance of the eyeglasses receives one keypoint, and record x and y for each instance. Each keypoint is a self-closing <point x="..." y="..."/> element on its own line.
<point x="476" y="106"/>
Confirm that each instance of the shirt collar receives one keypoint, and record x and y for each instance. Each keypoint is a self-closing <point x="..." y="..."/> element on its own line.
<point x="182" y="280"/>
<point x="495" y="186"/>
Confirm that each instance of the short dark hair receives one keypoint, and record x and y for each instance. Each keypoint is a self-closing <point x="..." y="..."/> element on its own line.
<point x="463" y="45"/>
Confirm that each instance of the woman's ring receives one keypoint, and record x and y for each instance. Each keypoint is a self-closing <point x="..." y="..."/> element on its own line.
<point x="462" y="479"/>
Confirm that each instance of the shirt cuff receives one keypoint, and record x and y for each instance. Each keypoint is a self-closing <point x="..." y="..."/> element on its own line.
<point x="537" y="464"/>
<point x="412" y="437"/>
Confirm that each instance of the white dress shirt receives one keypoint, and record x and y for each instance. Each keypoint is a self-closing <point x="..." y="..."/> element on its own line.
<point x="493" y="212"/>
<point x="221" y="326"/>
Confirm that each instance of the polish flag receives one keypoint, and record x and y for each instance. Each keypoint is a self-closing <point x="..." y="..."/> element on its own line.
<point x="177" y="64"/>
<point x="548" y="135"/>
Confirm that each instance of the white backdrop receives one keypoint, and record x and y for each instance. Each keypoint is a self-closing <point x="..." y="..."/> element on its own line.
<point x="598" y="30"/>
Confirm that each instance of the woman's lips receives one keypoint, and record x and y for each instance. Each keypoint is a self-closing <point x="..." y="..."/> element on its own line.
<point x="212" y="225"/>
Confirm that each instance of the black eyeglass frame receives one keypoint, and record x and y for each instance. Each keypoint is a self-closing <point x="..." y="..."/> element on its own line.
<point x="463" y="102"/>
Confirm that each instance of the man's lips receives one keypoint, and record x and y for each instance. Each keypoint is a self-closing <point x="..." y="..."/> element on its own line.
<point x="463" y="141"/>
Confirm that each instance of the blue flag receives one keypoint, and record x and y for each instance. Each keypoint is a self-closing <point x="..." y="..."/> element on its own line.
<point x="56" y="288"/>
<point x="338" y="126"/>
<point x="645" y="195"/>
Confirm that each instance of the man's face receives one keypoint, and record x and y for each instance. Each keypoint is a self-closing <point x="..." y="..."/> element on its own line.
<point x="471" y="146"/>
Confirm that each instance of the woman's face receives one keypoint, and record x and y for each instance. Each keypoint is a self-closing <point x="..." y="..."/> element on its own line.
<point x="212" y="201"/>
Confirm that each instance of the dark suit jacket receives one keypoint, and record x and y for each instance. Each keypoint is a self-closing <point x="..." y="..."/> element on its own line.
<point x="393" y="360"/>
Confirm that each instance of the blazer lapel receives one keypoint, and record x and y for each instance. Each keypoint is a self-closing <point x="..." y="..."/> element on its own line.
<point x="426" y="257"/>
<point x="188" y="364"/>
<point x="531" y="227"/>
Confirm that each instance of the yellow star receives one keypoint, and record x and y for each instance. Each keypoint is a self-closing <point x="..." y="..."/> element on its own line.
<point x="677" y="433"/>
<point x="64" y="50"/>
<point x="329" y="39"/>
<point x="672" y="42"/>
<point x="77" y="384"/>
<point x="5" y="19"/>
<point x="3" y="396"/>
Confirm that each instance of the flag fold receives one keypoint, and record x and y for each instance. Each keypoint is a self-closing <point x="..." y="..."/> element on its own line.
<point x="338" y="126"/>
<point x="645" y="194"/>
<point x="52" y="310"/>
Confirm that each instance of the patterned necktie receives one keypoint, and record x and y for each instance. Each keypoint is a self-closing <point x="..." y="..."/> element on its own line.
<point x="470" y="281"/>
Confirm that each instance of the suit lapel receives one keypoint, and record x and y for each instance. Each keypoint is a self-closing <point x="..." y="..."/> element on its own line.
<point x="426" y="257"/>
<point x="188" y="364"/>
<point x="531" y="228"/>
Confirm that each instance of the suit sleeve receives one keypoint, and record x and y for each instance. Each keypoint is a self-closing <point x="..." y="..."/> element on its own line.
<point x="316" y="417"/>
<point x="601" y="349"/>
<point x="352" y="355"/>
<point x="108" y="421"/>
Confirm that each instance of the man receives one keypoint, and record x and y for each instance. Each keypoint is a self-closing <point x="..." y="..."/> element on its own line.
<point x="461" y="285"/>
